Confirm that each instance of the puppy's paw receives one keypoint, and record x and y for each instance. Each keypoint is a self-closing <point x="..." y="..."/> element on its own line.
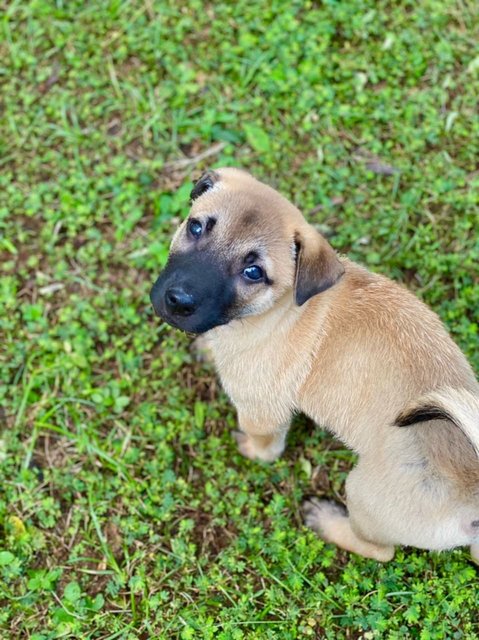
<point x="331" y="522"/>
<point x="475" y="552"/>
<point x="249" y="447"/>
<point x="319" y="515"/>
<point x="202" y="350"/>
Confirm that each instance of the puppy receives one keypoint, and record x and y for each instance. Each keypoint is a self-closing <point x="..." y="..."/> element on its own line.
<point x="293" y="327"/>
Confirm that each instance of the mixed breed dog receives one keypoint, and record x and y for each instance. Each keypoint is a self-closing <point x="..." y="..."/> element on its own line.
<point x="291" y="326"/>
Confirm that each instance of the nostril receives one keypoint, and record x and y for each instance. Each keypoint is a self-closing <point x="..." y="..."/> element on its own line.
<point x="179" y="301"/>
<point x="171" y="298"/>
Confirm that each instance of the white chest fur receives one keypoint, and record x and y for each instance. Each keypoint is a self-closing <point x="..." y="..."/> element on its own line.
<point x="255" y="364"/>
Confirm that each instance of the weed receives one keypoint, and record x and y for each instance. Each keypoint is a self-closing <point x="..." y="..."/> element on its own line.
<point x="125" y="510"/>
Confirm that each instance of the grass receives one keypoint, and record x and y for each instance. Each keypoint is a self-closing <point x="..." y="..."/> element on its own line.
<point x="125" y="510"/>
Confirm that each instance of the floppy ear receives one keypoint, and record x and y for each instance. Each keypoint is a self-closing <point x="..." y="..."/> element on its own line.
<point x="203" y="184"/>
<point x="317" y="265"/>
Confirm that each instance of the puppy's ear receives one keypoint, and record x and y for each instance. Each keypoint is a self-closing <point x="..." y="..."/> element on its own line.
<point x="205" y="182"/>
<point x="317" y="265"/>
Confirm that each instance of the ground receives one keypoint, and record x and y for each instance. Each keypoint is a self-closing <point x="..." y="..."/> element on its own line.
<point x="125" y="509"/>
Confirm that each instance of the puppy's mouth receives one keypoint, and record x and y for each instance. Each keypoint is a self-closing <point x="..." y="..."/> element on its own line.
<point x="194" y="325"/>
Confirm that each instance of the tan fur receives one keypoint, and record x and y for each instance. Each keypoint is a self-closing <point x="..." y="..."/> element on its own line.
<point x="352" y="358"/>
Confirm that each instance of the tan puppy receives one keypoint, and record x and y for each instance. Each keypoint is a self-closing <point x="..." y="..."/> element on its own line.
<point x="292" y="327"/>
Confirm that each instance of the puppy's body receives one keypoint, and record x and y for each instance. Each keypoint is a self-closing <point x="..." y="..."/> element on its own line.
<point x="359" y="357"/>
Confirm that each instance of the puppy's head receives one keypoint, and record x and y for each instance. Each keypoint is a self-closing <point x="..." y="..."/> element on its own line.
<point x="241" y="249"/>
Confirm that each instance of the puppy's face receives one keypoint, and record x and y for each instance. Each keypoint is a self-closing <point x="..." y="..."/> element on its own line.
<point x="241" y="249"/>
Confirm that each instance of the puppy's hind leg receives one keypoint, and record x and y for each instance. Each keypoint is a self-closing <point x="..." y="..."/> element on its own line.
<point x="331" y="522"/>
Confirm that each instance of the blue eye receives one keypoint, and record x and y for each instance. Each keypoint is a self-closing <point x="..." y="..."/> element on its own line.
<point x="195" y="228"/>
<point x="253" y="273"/>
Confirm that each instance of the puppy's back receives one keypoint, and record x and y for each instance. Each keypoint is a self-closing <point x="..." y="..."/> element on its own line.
<point x="393" y="349"/>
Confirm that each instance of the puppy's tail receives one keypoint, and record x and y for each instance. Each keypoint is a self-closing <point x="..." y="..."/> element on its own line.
<point x="459" y="406"/>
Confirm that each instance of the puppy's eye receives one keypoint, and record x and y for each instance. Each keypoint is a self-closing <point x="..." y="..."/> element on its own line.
<point x="195" y="228"/>
<point x="253" y="273"/>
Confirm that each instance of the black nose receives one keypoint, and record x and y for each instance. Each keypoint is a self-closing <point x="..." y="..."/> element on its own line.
<point x="179" y="302"/>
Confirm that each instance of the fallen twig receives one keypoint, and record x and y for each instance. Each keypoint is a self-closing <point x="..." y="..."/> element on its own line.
<point x="186" y="162"/>
<point x="373" y="163"/>
<point x="335" y="202"/>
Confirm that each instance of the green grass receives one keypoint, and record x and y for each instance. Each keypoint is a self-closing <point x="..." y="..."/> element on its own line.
<point x="125" y="511"/>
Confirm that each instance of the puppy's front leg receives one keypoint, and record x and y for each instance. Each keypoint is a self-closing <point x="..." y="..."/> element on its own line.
<point x="260" y="440"/>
